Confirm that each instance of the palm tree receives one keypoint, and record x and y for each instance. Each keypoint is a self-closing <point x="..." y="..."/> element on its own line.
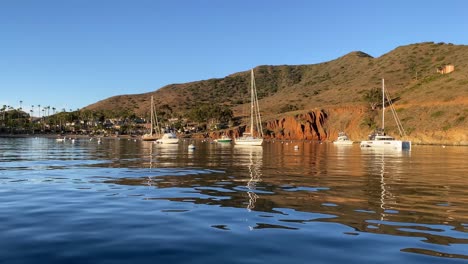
<point x="4" y="107"/>
<point x="31" y="118"/>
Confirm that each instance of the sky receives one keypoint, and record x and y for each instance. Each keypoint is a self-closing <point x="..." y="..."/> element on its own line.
<point x="68" y="54"/>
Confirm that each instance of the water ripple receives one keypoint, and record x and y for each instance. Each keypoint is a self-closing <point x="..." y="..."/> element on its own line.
<point x="132" y="201"/>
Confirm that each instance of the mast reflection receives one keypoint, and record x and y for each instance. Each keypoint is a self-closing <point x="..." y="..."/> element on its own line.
<point x="381" y="157"/>
<point x="254" y="166"/>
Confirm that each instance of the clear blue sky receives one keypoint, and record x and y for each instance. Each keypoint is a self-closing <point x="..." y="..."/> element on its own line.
<point x="71" y="53"/>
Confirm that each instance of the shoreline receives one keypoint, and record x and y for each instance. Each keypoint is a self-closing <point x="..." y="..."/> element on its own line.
<point x="61" y="136"/>
<point x="456" y="144"/>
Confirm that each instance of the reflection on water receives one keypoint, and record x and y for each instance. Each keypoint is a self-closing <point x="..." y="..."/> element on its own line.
<point x="254" y="153"/>
<point x="411" y="205"/>
<point x="365" y="205"/>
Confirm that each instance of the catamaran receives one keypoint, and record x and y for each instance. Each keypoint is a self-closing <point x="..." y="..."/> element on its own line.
<point x="379" y="139"/>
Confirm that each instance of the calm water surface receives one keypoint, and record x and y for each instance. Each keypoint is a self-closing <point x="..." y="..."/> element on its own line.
<point x="126" y="201"/>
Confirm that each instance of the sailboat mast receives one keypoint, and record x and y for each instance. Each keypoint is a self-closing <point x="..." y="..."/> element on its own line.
<point x="252" y="102"/>
<point x="258" y="117"/>
<point x="383" y="104"/>
<point x="152" y="115"/>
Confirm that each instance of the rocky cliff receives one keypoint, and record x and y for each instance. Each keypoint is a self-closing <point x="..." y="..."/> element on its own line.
<point x="305" y="126"/>
<point x="325" y="124"/>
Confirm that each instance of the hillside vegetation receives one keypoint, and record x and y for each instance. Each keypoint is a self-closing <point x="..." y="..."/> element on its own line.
<point x="432" y="106"/>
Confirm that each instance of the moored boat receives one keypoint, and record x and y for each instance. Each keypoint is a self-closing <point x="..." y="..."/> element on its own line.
<point x="223" y="139"/>
<point x="154" y="126"/>
<point x="343" y="139"/>
<point x="379" y="139"/>
<point x="168" y="138"/>
<point x="248" y="138"/>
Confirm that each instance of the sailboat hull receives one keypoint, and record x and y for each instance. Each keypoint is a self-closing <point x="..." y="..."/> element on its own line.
<point x="148" y="137"/>
<point x="249" y="141"/>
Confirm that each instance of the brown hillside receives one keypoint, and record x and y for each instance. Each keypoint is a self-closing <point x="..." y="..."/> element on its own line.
<point x="432" y="106"/>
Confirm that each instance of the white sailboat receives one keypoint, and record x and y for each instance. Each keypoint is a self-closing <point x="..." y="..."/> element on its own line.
<point x="154" y="133"/>
<point x="248" y="138"/>
<point x="380" y="139"/>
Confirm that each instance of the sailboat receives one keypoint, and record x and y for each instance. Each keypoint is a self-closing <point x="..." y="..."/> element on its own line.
<point x="154" y="131"/>
<point x="248" y="138"/>
<point x="380" y="139"/>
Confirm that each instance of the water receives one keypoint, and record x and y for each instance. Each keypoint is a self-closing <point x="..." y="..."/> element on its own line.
<point x="126" y="201"/>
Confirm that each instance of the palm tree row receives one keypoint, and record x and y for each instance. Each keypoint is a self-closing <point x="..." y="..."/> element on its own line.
<point x="16" y="119"/>
<point x="48" y="120"/>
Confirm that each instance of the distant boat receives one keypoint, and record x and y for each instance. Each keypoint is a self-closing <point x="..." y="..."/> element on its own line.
<point x="154" y="133"/>
<point x="343" y="139"/>
<point x="223" y="139"/>
<point x="379" y="139"/>
<point x="248" y="138"/>
<point x="168" y="138"/>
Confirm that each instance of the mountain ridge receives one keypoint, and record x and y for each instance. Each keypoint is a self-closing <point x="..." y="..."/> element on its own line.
<point x="410" y="72"/>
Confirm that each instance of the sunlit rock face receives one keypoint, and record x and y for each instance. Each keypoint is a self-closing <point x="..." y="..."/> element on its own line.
<point x="306" y="126"/>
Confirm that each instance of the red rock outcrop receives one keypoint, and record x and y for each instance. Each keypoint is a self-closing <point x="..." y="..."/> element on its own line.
<point x="306" y="126"/>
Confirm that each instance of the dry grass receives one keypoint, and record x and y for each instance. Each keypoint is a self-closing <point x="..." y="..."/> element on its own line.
<point x="409" y="71"/>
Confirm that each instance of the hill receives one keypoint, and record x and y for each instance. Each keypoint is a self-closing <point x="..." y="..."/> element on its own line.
<point x="432" y="106"/>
